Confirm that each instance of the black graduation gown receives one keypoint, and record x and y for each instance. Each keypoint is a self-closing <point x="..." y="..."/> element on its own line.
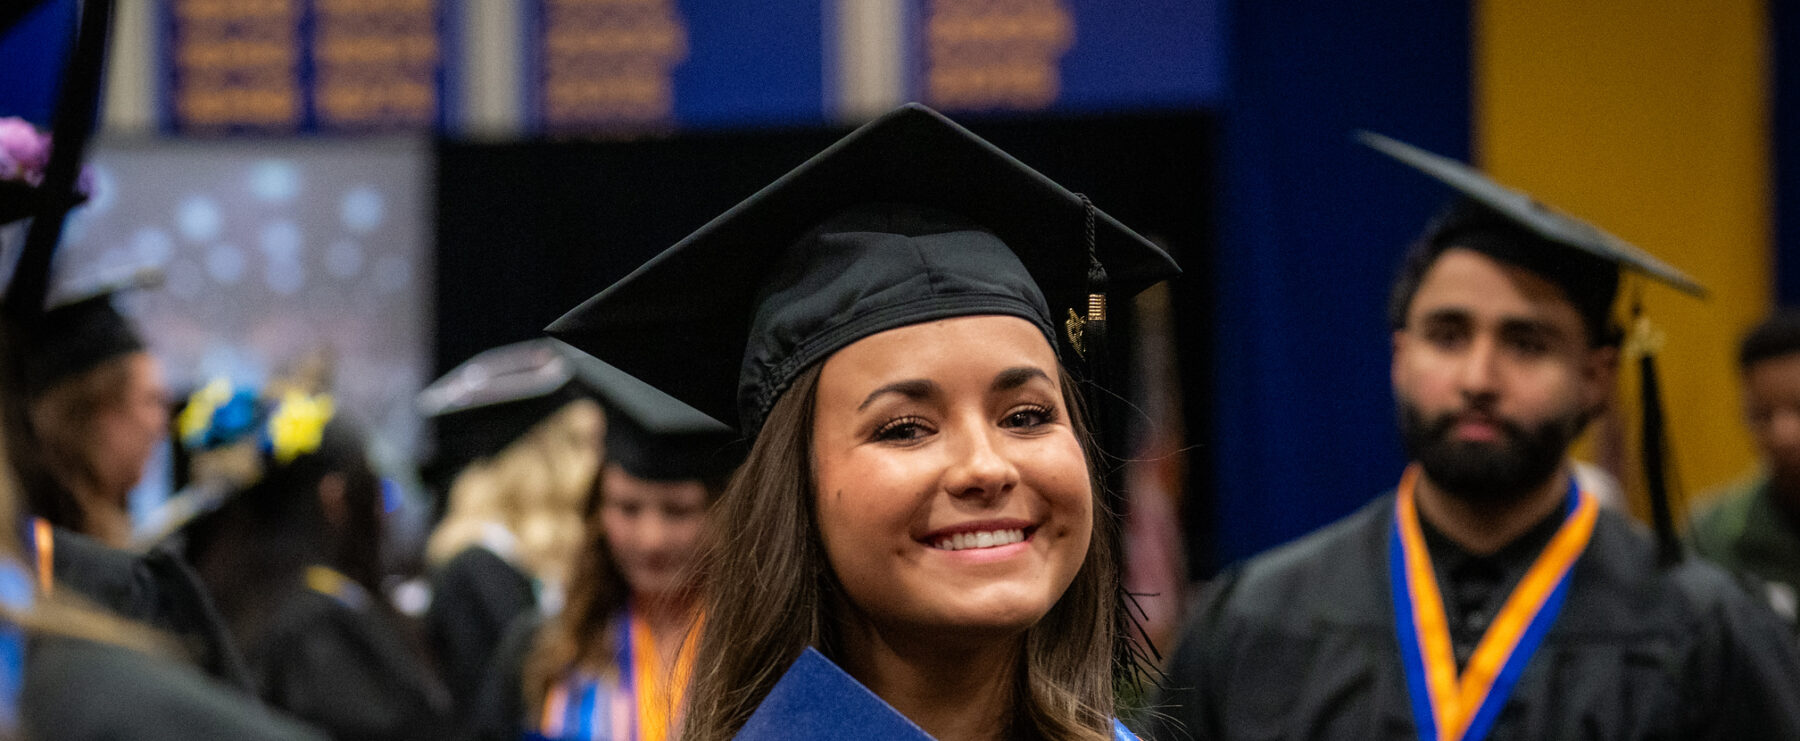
<point x="157" y="589"/>
<point x="475" y="596"/>
<point x="499" y="711"/>
<point x="344" y="667"/>
<point x="1300" y="644"/>
<point x="77" y="690"/>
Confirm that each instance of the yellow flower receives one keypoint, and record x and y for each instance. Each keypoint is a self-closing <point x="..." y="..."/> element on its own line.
<point x="198" y="414"/>
<point x="298" y="425"/>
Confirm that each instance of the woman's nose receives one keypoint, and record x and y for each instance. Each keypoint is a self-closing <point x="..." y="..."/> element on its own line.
<point x="980" y="467"/>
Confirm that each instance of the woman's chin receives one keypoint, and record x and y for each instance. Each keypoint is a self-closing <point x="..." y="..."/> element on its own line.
<point x="982" y="621"/>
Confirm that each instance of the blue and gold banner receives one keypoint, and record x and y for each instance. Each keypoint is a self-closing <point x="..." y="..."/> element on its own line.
<point x="1068" y="54"/>
<point x="597" y="66"/>
<point x="291" y="66"/>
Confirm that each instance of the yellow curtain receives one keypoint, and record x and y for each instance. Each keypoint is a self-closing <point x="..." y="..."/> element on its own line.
<point x="1650" y="118"/>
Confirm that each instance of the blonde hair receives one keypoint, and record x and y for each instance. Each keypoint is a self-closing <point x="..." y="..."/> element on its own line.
<point x="770" y="592"/>
<point x="536" y="488"/>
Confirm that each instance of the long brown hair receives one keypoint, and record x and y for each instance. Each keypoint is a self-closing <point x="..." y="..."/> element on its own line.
<point x="579" y="635"/>
<point x="770" y="592"/>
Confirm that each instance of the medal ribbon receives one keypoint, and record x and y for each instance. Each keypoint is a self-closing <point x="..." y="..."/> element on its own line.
<point x="1448" y="707"/>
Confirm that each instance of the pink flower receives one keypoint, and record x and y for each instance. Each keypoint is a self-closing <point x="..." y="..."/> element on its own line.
<point x="24" y="153"/>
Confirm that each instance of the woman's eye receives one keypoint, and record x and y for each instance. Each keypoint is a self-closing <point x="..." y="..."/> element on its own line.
<point x="1028" y="417"/>
<point x="902" y="430"/>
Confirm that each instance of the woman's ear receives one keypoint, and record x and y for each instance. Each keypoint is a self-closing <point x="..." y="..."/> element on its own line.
<point x="333" y="492"/>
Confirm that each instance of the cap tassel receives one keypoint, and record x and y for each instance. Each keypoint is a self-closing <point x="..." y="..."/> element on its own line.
<point x="1087" y="334"/>
<point x="1644" y="343"/>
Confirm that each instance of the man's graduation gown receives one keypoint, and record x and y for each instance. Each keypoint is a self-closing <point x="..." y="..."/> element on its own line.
<point x="1301" y="644"/>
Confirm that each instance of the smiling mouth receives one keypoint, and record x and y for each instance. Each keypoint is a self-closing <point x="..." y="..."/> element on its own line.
<point x="981" y="539"/>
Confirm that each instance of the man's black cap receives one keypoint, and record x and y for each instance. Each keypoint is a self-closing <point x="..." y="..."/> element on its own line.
<point x="1555" y="229"/>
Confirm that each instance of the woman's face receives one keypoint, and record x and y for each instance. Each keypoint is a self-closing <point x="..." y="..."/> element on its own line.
<point x="654" y="529"/>
<point x="125" y="434"/>
<point x="953" y="494"/>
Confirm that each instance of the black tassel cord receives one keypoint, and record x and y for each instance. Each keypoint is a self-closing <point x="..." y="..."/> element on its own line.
<point x="1654" y="442"/>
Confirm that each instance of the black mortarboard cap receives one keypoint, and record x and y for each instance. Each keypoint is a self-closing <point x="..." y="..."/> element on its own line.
<point x="910" y="218"/>
<point x="1555" y="228"/>
<point x="653" y="435"/>
<point x="79" y="331"/>
<point x="494" y="398"/>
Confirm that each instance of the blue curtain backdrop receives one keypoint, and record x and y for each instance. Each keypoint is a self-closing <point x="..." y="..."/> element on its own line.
<point x="32" y="55"/>
<point x="1312" y="228"/>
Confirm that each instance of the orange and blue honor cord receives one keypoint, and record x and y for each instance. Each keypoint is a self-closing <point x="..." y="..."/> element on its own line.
<point x="639" y="704"/>
<point x="585" y="707"/>
<point x="1446" y="706"/>
<point x="40" y="536"/>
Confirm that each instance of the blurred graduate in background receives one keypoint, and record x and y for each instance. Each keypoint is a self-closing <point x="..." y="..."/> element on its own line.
<point x="292" y="555"/>
<point x="1752" y="526"/>
<point x="528" y="434"/>
<point x="614" y="662"/>
<point x="1490" y="595"/>
<point x="97" y="408"/>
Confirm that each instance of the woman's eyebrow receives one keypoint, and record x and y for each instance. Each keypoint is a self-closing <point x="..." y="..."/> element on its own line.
<point x="1012" y="378"/>
<point x="916" y="388"/>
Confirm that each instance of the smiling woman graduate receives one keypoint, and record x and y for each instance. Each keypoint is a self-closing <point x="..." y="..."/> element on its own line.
<point x="919" y="504"/>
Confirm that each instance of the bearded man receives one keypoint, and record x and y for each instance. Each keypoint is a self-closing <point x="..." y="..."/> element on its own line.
<point x="1487" y="597"/>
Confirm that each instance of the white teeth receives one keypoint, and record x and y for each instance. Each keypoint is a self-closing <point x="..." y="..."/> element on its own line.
<point x="984" y="539"/>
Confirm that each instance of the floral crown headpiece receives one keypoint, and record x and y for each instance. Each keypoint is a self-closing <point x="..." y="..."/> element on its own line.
<point x="221" y="416"/>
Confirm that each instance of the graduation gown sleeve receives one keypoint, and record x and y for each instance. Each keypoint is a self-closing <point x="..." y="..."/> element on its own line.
<point x="499" y="712"/>
<point x="78" y="690"/>
<point x="475" y="596"/>
<point x="347" y="672"/>
<point x="157" y="589"/>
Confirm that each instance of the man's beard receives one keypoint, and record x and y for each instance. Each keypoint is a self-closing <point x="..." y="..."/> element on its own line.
<point x="1487" y="472"/>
